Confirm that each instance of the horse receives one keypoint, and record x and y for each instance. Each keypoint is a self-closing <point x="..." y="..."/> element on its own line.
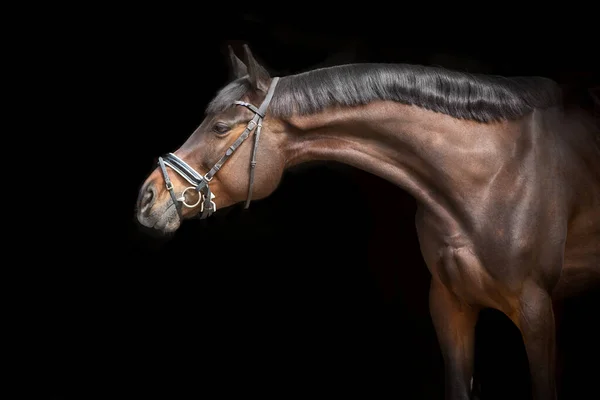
<point x="505" y="173"/>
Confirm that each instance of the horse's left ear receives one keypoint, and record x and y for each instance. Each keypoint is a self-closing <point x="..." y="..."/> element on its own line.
<point x="237" y="67"/>
<point x="259" y="77"/>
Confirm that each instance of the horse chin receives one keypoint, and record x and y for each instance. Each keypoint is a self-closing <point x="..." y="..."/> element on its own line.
<point x="165" y="222"/>
<point x="168" y="224"/>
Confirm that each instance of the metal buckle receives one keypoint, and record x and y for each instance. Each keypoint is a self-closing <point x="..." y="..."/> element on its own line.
<point x="212" y="203"/>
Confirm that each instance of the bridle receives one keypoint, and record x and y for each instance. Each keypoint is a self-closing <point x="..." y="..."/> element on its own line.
<point x="199" y="182"/>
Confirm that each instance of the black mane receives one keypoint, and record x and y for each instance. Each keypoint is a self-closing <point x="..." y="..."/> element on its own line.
<point x="477" y="97"/>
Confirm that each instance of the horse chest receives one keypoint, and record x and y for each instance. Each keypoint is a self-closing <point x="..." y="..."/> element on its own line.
<point x="453" y="260"/>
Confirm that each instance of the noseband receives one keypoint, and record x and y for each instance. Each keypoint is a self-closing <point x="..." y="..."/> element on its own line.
<point x="199" y="182"/>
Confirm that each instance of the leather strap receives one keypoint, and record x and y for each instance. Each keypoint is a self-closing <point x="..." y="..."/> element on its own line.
<point x="238" y="142"/>
<point x="169" y="185"/>
<point x="259" y="114"/>
<point x="253" y="164"/>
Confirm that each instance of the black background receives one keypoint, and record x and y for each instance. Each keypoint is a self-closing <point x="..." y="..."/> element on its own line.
<point x="321" y="288"/>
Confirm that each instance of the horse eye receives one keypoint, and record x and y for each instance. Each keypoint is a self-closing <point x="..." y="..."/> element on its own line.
<point x="221" y="128"/>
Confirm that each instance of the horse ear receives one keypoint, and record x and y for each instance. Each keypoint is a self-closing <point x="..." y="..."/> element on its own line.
<point x="259" y="77"/>
<point x="238" y="68"/>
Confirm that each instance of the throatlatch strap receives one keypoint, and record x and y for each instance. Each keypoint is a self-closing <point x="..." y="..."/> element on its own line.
<point x="253" y="164"/>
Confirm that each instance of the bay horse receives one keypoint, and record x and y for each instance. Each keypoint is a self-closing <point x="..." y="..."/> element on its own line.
<point x="506" y="177"/>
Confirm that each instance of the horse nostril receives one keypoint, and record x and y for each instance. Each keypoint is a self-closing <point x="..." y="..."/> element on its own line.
<point x="148" y="197"/>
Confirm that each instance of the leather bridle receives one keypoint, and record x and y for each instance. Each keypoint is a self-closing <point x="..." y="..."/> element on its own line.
<point x="199" y="182"/>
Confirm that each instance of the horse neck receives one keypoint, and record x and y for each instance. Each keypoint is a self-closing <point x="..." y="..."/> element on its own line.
<point x="435" y="158"/>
